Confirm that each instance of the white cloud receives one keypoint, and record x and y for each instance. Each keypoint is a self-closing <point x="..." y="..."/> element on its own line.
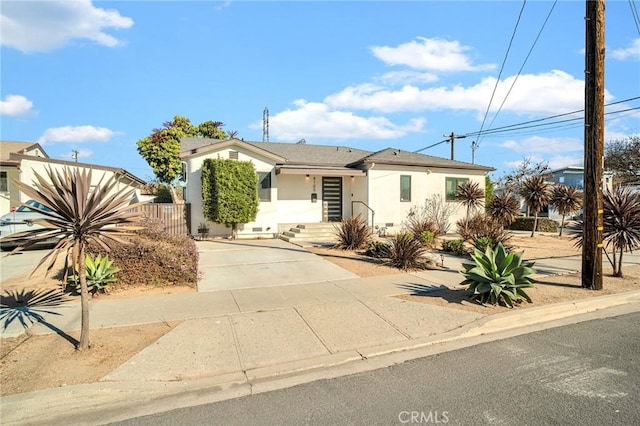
<point x="546" y="93"/>
<point x="631" y="52"/>
<point x="542" y="145"/>
<point x="429" y="54"/>
<point x="76" y="134"/>
<point x="561" y="161"/>
<point x="15" y="105"/>
<point x="41" y="26"/>
<point x="407" y="77"/>
<point x="223" y="5"/>
<point x="317" y="120"/>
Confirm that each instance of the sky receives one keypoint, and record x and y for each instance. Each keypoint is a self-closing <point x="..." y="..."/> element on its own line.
<point x="95" y="77"/>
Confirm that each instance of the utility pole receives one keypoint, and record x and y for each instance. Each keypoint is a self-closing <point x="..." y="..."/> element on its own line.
<point x="593" y="146"/>
<point x="74" y="155"/>
<point x="452" y="137"/>
<point x="474" y="146"/>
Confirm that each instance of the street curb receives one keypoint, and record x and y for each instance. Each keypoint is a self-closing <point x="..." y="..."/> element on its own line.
<point x="116" y="401"/>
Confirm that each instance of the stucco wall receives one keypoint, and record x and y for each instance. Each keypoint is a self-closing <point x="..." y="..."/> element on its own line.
<point x="267" y="217"/>
<point x="384" y="192"/>
<point x="29" y="168"/>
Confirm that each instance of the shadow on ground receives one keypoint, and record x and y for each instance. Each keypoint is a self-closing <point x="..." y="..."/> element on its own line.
<point x="30" y="307"/>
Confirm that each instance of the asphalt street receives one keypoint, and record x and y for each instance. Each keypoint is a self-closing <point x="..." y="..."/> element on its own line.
<point x="582" y="374"/>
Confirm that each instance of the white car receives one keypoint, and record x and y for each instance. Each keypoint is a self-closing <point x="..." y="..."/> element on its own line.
<point x="20" y="220"/>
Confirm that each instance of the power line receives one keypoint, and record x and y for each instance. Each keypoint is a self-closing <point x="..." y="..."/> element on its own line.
<point x="523" y="64"/>
<point x="504" y="61"/>
<point x="556" y="124"/>
<point x="636" y="17"/>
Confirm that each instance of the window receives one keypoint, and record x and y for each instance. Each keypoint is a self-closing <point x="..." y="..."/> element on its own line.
<point x="452" y="185"/>
<point x="264" y="186"/>
<point x="3" y="182"/>
<point x="405" y="188"/>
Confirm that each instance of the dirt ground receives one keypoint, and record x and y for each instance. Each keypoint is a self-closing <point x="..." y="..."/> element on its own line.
<point x="32" y="363"/>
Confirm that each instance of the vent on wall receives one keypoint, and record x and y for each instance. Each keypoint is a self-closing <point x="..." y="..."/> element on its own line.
<point x="256" y="229"/>
<point x="388" y="225"/>
<point x="233" y="155"/>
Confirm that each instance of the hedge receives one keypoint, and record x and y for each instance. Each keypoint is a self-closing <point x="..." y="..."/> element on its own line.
<point x="526" y="224"/>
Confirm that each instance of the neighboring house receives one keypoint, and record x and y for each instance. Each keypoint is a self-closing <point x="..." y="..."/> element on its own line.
<point x="301" y="183"/>
<point x="574" y="176"/>
<point x="20" y="161"/>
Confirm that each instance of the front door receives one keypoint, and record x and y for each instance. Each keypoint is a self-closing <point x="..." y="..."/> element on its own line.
<point x="332" y="196"/>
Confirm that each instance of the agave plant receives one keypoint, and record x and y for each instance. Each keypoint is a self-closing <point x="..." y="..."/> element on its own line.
<point x="498" y="276"/>
<point x="470" y="195"/>
<point x="566" y="200"/>
<point x="536" y="193"/>
<point x="621" y="222"/>
<point x="100" y="272"/>
<point x="79" y="214"/>
<point x="504" y="208"/>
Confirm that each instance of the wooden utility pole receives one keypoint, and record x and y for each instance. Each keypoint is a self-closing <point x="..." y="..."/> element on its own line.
<point x="593" y="145"/>
<point x="452" y="137"/>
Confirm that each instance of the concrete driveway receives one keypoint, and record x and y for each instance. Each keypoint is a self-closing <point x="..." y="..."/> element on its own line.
<point x="229" y="265"/>
<point x="19" y="263"/>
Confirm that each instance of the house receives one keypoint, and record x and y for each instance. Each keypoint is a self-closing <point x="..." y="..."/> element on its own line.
<point x="302" y="183"/>
<point x="19" y="161"/>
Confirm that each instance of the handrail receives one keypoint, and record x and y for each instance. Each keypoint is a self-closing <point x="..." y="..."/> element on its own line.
<point x="373" y="213"/>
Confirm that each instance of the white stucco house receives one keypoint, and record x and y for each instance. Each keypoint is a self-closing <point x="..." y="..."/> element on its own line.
<point x="302" y="183"/>
<point x="20" y="161"/>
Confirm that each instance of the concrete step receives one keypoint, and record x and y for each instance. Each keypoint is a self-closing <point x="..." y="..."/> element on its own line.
<point x="309" y="234"/>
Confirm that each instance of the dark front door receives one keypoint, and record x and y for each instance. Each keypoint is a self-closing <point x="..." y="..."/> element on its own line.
<point x="332" y="196"/>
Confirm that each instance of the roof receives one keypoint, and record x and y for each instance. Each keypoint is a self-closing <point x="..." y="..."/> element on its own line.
<point x="406" y="158"/>
<point x="327" y="155"/>
<point x="11" y="147"/>
<point x="19" y="157"/>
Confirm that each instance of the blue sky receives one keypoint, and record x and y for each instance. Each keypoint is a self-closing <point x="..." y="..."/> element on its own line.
<point x="97" y="76"/>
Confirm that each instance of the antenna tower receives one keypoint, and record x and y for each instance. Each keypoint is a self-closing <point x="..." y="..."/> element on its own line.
<point x="265" y="125"/>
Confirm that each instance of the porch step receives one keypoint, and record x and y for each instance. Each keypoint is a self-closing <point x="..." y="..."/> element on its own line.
<point x="310" y="234"/>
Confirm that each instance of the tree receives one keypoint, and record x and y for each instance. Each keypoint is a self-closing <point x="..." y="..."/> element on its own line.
<point x="161" y="149"/>
<point x="621" y="222"/>
<point x="229" y="192"/>
<point x="622" y="157"/>
<point x="488" y="190"/>
<point x="566" y="200"/>
<point x="536" y="194"/>
<point x="504" y="208"/>
<point x="79" y="214"/>
<point x="513" y="180"/>
<point x="470" y="195"/>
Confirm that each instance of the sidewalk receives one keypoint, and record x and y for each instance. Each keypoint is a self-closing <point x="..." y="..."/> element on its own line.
<point x="232" y="338"/>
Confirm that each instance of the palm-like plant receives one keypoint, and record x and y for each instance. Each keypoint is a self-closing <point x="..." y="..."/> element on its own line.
<point x="79" y="215"/>
<point x="504" y="208"/>
<point x="470" y="195"/>
<point x="566" y="200"/>
<point x="536" y="193"/>
<point x="621" y="222"/>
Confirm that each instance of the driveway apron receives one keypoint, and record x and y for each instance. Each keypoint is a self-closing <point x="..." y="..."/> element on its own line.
<point x="230" y="265"/>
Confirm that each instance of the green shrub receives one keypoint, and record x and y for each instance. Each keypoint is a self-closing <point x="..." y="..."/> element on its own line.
<point x="155" y="258"/>
<point x="405" y="252"/>
<point x="526" y="224"/>
<point x="483" y="242"/>
<point x="100" y="273"/>
<point x="454" y="246"/>
<point x="498" y="277"/>
<point x="426" y="237"/>
<point x="353" y="233"/>
<point x="377" y="249"/>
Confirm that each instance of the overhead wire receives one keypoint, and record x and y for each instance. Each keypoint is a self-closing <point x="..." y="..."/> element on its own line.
<point x="523" y="64"/>
<point x="504" y="61"/>
<point x="636" y="17"/>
